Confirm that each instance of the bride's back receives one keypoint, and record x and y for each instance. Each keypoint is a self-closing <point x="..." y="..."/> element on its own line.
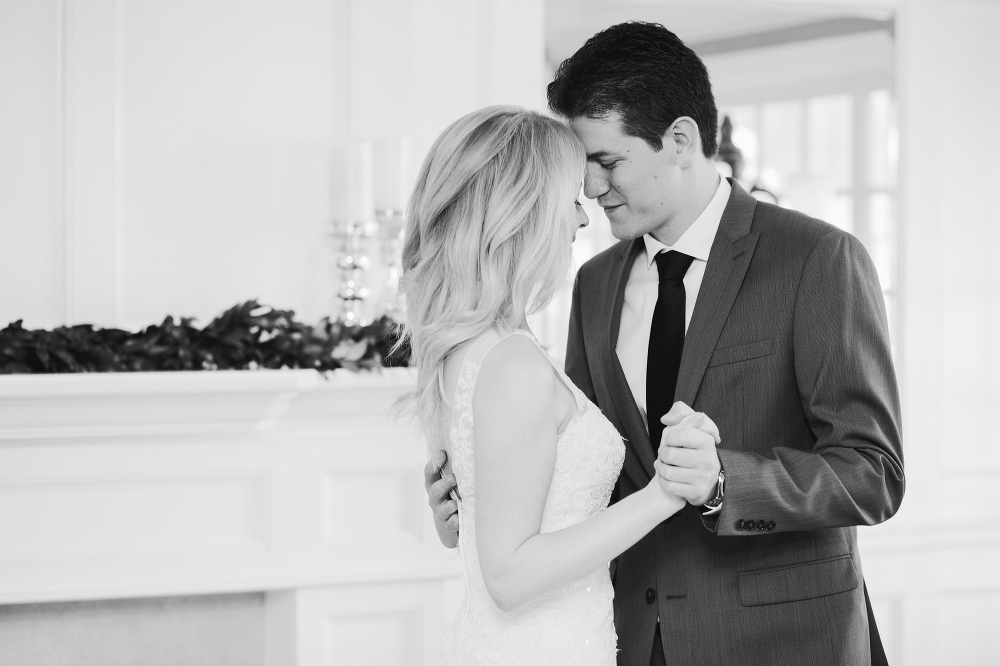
<point x="573" y="624"/>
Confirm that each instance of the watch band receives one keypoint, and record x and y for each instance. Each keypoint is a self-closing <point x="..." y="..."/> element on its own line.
<point x="720" y="492"/>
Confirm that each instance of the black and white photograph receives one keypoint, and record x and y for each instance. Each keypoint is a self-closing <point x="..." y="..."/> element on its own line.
<point x="499" y="332"/>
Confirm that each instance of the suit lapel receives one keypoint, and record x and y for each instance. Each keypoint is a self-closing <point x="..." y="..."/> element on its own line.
<point x="728" y="261"/>
<point x="628" y="412"/>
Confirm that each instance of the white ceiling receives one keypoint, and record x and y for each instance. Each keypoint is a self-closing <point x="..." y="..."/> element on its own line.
<point x="569" y="23"/>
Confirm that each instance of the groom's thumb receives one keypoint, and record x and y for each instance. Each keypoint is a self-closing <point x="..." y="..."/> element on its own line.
<point x="676" y="414"/>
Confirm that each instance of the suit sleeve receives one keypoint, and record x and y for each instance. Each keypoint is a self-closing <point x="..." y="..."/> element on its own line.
<point x="853" y="473"/>
<point x="577" y="368"/>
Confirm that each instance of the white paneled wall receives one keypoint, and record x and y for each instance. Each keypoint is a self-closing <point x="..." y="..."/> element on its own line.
<point x="942" y="576"/>
<point x="931" y="569"/>
<point x="32" y="254"/>
<point x="173" y="158"/>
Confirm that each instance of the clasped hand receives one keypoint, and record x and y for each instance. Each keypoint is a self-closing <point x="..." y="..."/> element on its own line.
<point x="439" y="485"/>
<point x="687" y="463"/>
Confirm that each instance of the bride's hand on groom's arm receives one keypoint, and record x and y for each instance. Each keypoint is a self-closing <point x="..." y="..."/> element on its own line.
<point x="688" y="464"/>
<point x="439" y="485"/>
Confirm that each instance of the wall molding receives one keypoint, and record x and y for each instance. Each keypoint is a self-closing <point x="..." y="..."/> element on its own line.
<point x="64" y="145"/>
<point x="837" y="27"/>
<point x="89" y="159"/>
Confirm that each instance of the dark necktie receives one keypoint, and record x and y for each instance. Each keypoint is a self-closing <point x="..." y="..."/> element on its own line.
<point x="666" y="340"/>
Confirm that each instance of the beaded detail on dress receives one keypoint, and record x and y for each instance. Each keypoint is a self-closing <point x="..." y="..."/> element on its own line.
<point x="574" y="625"/>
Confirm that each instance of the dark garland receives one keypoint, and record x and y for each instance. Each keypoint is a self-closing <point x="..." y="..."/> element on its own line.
<point x="248" y="336"/>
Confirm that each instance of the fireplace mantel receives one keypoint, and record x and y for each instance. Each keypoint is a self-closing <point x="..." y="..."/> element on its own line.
<point x="176" y="483"/>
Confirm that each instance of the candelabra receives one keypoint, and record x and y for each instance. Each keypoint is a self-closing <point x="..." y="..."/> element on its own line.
<point x="391" y="236"/>
<point x="369" y="193"/>
<point x="351" y="251"/>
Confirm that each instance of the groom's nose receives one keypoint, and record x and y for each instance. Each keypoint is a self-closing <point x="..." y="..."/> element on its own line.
<point x="594" y="182"/>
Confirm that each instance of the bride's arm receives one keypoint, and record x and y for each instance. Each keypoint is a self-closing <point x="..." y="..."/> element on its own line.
<point x="518" y="411"/>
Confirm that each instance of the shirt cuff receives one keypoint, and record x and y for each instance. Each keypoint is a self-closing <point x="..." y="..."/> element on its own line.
<point x="713" y="511"/>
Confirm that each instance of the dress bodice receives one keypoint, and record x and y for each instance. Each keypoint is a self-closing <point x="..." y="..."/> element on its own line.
<point x="574" y="625"/>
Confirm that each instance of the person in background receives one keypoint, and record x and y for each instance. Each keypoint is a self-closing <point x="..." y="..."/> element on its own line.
<point x="729" y="161"/>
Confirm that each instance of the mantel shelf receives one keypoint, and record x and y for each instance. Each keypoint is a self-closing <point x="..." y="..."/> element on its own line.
<point x="147" y="404"/>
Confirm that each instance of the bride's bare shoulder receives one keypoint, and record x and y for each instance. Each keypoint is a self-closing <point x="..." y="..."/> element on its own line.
<point x="514" y="371"/>
<point x="517" y="374"/>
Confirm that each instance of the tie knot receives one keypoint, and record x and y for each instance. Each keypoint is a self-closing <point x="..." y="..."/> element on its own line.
<point x="672" y="265"/>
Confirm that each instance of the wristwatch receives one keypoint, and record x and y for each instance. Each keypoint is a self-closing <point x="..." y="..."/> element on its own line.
<point x="720" y="492"/>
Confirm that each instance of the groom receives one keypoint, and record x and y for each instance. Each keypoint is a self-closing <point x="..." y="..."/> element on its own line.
<point x="769" y="322"/>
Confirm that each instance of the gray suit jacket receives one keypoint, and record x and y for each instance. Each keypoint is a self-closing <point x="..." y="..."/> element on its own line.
<point x="788" y="351"/>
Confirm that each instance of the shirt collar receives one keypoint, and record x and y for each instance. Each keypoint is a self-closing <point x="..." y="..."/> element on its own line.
<point x="697" y="240"/>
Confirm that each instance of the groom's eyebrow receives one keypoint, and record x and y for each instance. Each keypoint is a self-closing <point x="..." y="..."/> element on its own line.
<point x="599" y="155"/>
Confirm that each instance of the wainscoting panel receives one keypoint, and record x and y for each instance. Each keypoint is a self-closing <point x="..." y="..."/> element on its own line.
<point x="934" y="597"/>
<point x="94" y="516"/>
<point x="374" y="507"/>
<point x="384" y="637"/>
<point x="969" y="621"/>
<point x="400" y="624"/>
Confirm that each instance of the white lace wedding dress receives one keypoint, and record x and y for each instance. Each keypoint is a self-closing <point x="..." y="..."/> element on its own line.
<point x="574" y="625"/>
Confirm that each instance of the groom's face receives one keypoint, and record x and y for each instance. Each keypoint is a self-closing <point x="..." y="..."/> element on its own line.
<point x="634" y="184"/>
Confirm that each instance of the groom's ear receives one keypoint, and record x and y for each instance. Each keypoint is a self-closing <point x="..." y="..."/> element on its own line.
<point x="683" y="137"/>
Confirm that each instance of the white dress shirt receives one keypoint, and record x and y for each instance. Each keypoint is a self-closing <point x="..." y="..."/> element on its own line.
<point x="642" y="290"/>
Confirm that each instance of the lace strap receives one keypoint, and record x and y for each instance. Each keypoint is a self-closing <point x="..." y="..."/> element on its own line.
<point x="461" y="410"/>
<point x="461" y="413"/>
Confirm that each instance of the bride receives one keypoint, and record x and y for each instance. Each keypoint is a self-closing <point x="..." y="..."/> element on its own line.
<point x="491" y="222"/>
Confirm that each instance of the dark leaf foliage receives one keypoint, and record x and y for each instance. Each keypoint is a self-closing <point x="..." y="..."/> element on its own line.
<point x="245" y="337"/>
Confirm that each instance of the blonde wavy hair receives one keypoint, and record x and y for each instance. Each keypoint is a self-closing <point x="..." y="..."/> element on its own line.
<point x="488" y="236"/>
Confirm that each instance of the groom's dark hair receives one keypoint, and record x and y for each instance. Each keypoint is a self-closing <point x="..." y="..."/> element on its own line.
<point x="643" y="72"/>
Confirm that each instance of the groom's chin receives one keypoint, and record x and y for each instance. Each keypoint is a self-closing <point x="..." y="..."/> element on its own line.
<point x="625" y="233"/>
<point x="625" y="228"/>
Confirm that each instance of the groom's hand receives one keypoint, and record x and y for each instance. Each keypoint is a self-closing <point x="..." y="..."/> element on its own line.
<point x="680" y="416"/>
<point x="687" y="450"/>
<point x="439" y="485"/>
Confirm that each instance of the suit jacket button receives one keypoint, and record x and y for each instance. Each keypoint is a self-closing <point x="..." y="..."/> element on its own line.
<point x="749" y="526"/>
<point x="739" y="525"/>
<point x="761" y="525"/>
<point x="769" y="526"/>
<point x="650" y="595"/>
